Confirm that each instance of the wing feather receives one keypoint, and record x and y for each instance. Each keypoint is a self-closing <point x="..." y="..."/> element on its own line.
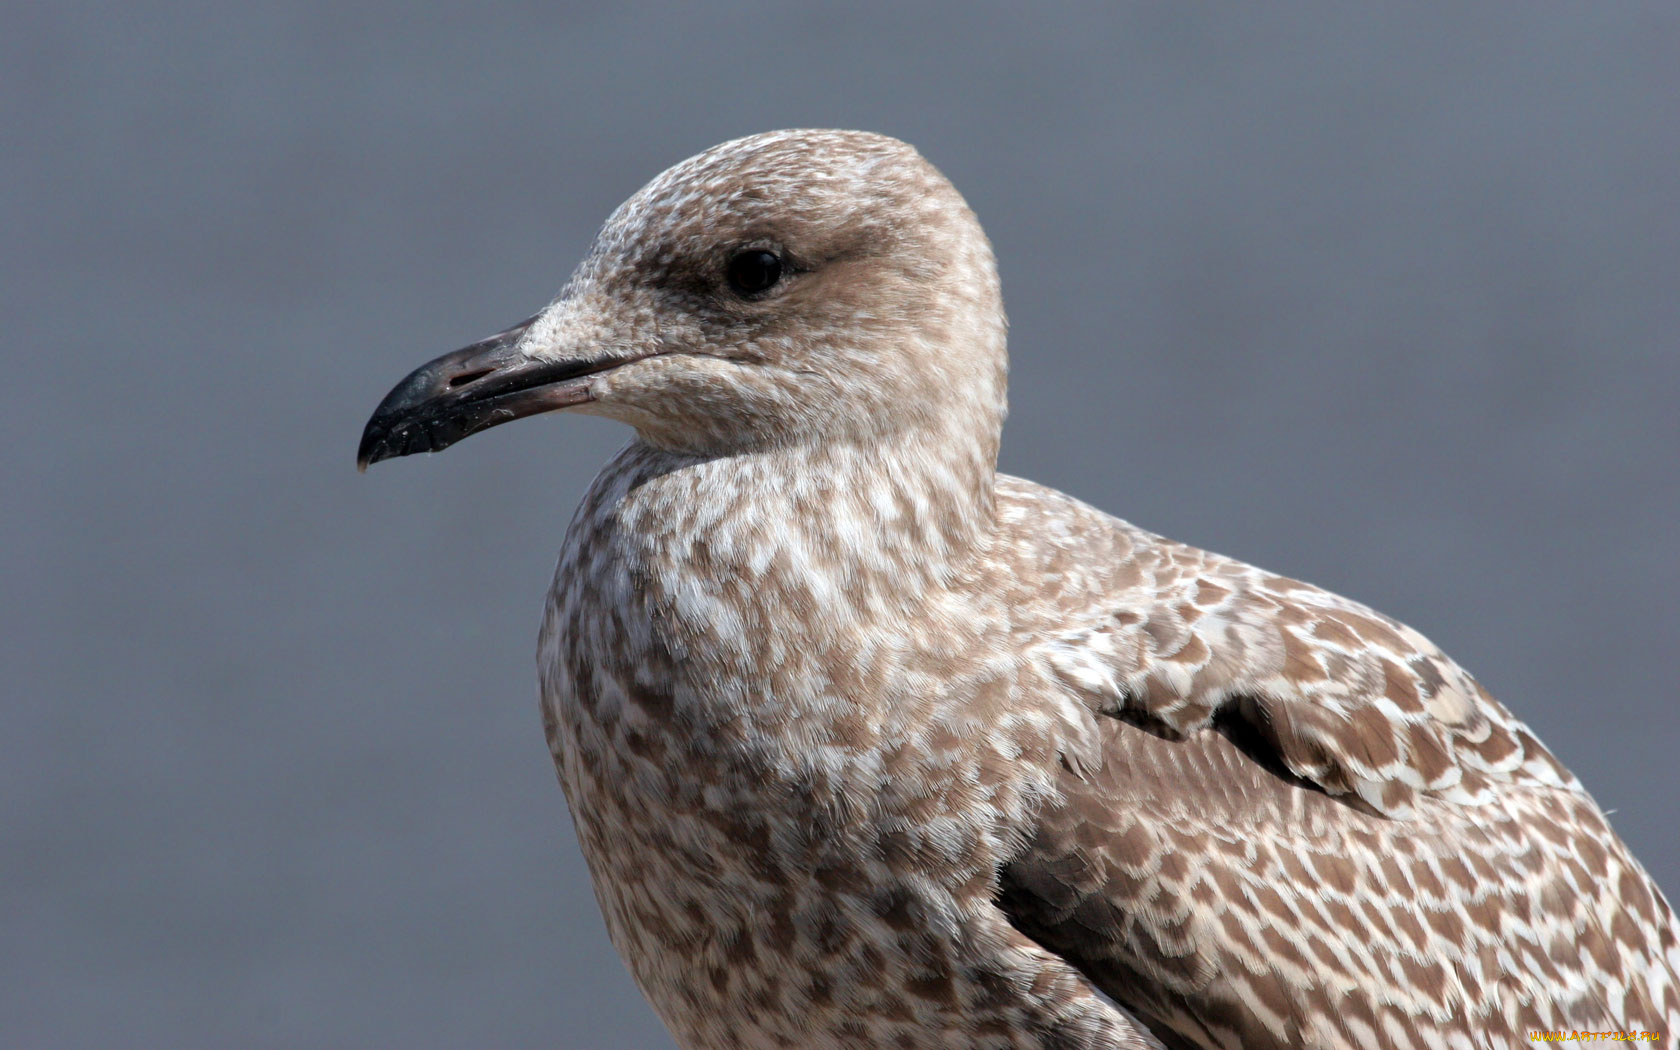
<point x="1298" y="823"/>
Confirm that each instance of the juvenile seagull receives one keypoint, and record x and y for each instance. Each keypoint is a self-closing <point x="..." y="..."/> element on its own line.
<point x="868" y="745"/>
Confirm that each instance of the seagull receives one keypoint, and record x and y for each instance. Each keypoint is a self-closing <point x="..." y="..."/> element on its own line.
<point x="868" y="745"/>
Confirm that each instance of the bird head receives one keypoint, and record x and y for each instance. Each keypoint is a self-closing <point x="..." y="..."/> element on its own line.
<point x="786" y="288"/>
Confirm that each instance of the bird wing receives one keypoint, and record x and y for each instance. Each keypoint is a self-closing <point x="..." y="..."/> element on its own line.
<point x="1296" y="822"/>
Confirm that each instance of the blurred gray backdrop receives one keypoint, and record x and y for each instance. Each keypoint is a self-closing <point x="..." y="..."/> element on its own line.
<point x="1381" y="296"/>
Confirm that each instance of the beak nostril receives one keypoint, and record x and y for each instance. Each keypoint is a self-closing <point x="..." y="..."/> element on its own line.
<point x="468" y="377"/>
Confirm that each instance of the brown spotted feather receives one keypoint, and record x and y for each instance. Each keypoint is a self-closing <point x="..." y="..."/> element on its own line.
<point x="1306" y="826"/>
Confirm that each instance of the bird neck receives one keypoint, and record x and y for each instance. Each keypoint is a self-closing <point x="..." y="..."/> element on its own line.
<point x="730" y="570"/>
<point x="913" y="512"/>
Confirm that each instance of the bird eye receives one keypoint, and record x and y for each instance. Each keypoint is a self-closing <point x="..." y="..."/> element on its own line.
<point x="753" y="271"/>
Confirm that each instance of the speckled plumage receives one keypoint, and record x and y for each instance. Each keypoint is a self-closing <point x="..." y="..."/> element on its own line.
<point x="870" y="746"/>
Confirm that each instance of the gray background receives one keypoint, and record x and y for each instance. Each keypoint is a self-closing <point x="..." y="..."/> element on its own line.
<point x="1384" y="297"/>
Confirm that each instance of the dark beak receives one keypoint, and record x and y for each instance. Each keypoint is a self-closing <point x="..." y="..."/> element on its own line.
<point x="473" y="389"/>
